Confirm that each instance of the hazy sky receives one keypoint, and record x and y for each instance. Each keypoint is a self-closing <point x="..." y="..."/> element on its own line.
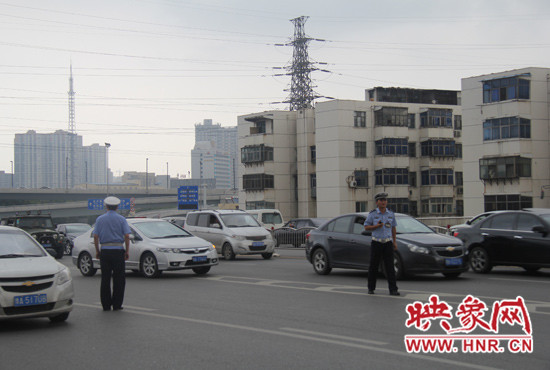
<point x="146" y="71"/>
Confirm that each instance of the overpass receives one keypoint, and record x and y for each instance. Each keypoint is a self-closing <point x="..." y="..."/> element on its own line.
<point x="72" y="205"/>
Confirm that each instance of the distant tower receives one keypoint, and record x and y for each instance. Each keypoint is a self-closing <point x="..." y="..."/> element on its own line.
<point x="301" y="88"/>
<point x="70" y="169"/>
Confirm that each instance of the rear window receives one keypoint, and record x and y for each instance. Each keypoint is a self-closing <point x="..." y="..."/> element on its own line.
<point x="192" y="219"/>
<point x="272" y="218"/>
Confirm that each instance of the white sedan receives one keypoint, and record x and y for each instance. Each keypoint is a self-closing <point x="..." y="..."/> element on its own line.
<point x="155" y="246"/>
<point x="33" y="283"/>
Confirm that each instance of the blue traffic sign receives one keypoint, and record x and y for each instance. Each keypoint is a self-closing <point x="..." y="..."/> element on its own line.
<point x="97" y="204"/>
<point x="188" y="197"/>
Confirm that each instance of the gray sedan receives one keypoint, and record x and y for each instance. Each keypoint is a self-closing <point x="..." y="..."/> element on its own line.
<point x="343" y="243"/>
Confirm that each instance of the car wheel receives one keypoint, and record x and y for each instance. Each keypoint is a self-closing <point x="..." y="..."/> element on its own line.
<point x="531" y="268"/>
<point x="480" y="261"/>
<point x="451" y="275"/>
<point x="398" y="267"/>
<point x="149" y="266"/>
<point x="320" y="261"/>
<point x="267" y="256"/>
<point x="201" y="270"/>
<point x="86" y="265"/>
<point x="60" y="318"/>
<point x="68" y="249"/>
<point x="227" y="252"/>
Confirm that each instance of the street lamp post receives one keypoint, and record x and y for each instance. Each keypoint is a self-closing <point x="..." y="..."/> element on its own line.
<point x="167" y="177"/>
<point x="146" y="175"/>
<point x="107" y="146"/>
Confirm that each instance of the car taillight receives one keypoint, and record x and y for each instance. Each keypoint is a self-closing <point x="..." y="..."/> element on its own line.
<point x="307" y="237"/>
<point x="455" y="234"/>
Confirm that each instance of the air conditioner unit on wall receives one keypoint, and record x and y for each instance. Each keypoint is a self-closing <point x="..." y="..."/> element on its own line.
<point x="353" y="184"/>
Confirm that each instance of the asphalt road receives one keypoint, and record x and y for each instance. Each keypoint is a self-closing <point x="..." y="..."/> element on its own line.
<point x="269" y="314"/>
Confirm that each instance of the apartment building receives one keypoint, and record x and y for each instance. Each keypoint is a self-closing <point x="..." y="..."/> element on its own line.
<point x="507" y="140"/>
<point x="406" y="142"/>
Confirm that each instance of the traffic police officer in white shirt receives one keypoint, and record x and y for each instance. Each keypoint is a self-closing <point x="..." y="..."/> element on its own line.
<point x="113" y="234"/>
<point x="382" y="223"/>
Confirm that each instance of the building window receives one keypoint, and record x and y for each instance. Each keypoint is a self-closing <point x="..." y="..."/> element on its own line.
<point x="313" y="184"/>
<point x="411" y="120"/>
<point x="389" y="116"/>
<point x="392" y="176"/>
<point x="438" y="148"/>
<point x="436" y="118"/>
<point x="391" y="146"/>
<point x="412" y="150"/>
<point x="262" y="204"/>
<point x="505" y="89"/>
<point x="459" y="207"/>
<point x="458" y="150"/>
<point x="313" y="152"/>
<point x="359" y="119"/>
<point x="360" y="149"/>
<point x="459" y="179"/>
<point x="412" y="179"/>
<point x="507" y="202"/>
<point x="437" y="206"/>
<point x="506" y="128"/>
<point x="259" y="181"/>
<point x="399" y="205"/>
<point x="256" y="154"/>
<point x="504" y="168"/>
<point x="361" y="178"/>
<point x="360" y="206"/>
<point x="437" y="176"/>
<point x="458" y="122"/>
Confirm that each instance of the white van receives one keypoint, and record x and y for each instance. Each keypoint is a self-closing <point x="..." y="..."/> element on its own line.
<point x="271" y="219"/>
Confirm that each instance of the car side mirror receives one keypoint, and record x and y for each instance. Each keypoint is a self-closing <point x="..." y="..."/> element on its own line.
<point x="216" y="226"/>
<point x="540" y="229"/>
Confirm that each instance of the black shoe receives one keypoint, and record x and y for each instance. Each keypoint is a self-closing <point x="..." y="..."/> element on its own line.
<point x="118" y="309"/>
<point x="395" y="292"/>
<point x="371" y="291"/>
<point x="106" y="308"/>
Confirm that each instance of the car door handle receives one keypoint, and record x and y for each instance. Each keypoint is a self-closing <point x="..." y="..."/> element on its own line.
<point x="484" y="234"/>
<point x="518" y="237"/>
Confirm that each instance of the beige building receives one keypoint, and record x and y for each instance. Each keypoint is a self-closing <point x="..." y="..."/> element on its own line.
<point x="507" y="140"/>
<point x="332" y="160"/>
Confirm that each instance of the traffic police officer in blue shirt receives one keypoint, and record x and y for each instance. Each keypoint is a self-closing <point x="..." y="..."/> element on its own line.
<point x="113" y="234"/>
<point x="382" y="223"/>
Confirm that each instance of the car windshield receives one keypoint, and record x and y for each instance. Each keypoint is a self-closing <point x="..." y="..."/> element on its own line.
<point x="77" y="229"/>
<point x="409" y="225"/>
<point x="546" y="217"/>
<point x="272" y="218"/>
<point x="160" y="230"/>
<point x="239" y="220"/>
<point x="15" y="244"/>
<point x="34" y="223"/>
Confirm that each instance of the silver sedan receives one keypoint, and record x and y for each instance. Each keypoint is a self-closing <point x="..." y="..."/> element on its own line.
<point x="156" y="246"/>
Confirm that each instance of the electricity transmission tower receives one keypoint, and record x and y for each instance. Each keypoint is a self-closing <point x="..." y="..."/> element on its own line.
<point x="70" y="167"/>
<point x="301" y="86"/>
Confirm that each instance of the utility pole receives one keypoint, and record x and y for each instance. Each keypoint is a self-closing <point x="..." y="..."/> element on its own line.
<point x="107" y="146"/>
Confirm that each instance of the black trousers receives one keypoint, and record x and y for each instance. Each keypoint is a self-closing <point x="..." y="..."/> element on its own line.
<point x="112" y="265"/>
<point x="381" y="250"/>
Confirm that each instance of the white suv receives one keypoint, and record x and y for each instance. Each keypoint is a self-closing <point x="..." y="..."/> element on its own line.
<point x="232" y="232"/>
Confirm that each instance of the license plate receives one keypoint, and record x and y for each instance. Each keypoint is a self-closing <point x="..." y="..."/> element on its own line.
<point x="30" y="300"/>
<point x="46" y="245"/>
<point x="453" y="262"/>
<point x="200" y="259"/>
<point x="258" y="244"/>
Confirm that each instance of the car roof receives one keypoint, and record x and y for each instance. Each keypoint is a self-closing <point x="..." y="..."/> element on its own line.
<point x="138" y="220"/>
<point x="220" y="211"/>
<point x="538" y="211"/>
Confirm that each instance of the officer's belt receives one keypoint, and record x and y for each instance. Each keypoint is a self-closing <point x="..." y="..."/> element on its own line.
<point x="111" y="244"/>
<point x="382" y="240"/>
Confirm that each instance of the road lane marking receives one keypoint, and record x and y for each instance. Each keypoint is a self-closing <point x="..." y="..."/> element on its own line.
<point x="348" y="343"/>
<point x="316" y="333"/>
<point x="523" y="280"/>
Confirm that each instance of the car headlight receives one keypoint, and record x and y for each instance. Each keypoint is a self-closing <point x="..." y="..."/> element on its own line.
<point x="213" y="247"/>
<point x="63" y="276"/>
<point x="416" y="249"/>
<point x="166" y="250"/>
<point x="239" y="237"/>
<point x="35" y="236"/>
<point x="54" y="236"/>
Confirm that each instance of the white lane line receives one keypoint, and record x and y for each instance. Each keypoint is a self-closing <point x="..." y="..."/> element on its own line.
<point x="367" y="341"/>
<point x="454" y="364"/>
<point x="98" y="305"/>
<point x="523" y="280"/>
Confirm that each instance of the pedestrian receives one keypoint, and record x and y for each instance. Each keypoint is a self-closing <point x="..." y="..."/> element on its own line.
<point x="112" y="233"/>
<point x="381" y="221"/>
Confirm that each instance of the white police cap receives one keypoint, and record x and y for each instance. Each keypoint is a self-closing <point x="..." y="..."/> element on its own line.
<point x="381" y="196"/>
<point x="111" y="201"/>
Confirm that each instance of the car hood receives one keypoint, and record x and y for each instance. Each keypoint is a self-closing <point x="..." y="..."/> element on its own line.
<point x="431" y="239"/>
<point x="187" y="242"/>
<point x="249" y="231"/>
<point x="29" y="266"/>
<point x="41" y="231"/>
